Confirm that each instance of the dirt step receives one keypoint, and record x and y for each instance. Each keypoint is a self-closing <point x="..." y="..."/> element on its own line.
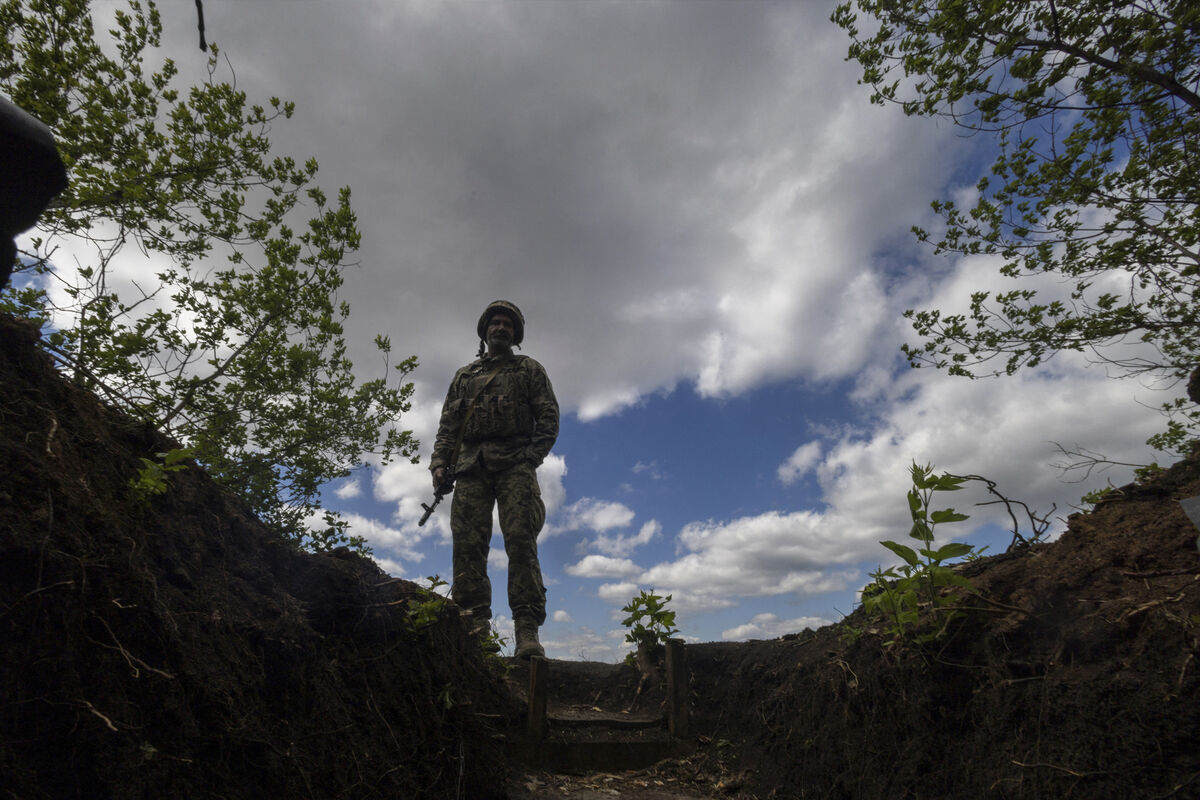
<point x="595" y="717"/>
<point x="635" y="785"/>
<point x="583" y="739"/>
<point x="564" y="754"/>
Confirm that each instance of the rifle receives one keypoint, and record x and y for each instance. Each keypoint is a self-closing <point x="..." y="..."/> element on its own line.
<point x="443" y="489"/>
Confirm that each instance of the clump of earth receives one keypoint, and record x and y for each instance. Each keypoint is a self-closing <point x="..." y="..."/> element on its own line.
<point x="174" y="647"/>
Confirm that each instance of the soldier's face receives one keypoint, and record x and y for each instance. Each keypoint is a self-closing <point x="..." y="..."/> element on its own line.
<point x="501" y="330"/>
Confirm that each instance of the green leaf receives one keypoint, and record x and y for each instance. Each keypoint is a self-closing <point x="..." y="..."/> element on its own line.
<point x="906" y="553"/>
<point x="953" y="550"/>
<point x="921" y="531"/>
<point x="948" y="483"/>
<point x="946" y="576"/>
<point x="947" y="515"/>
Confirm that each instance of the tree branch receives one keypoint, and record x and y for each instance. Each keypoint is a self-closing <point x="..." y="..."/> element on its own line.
<point x="1151" y="76"/>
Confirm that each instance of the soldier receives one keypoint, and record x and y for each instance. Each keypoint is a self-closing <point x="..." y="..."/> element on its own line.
<point x="498" y="423"/>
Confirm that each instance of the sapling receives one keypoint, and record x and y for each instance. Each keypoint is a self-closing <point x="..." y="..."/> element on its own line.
<point x="650" y="625"/>
<point x="899" y="593"/>
<point x="649" y="621"/>
<point x="151" y="479"/>
<point x="426" y="611"/>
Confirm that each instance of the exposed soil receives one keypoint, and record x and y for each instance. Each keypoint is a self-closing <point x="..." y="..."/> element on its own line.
<point x="175" y="648"/>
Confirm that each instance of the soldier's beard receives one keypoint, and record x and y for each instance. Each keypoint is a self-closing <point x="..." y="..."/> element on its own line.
<point x="500" y="343"/>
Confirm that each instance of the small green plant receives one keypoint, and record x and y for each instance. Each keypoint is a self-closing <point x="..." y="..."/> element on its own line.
<point x="977" y="553"/>
<point x="151" y="480"/>
<point x="1104" y="493"/>
<point x="426" y="609"/>
<point x="493" y="645"/>
<point x="650" y="622"/>
<point x="899" y="593"/>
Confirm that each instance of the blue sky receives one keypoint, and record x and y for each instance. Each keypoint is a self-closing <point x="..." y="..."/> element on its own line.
<point x="706" y="224"/>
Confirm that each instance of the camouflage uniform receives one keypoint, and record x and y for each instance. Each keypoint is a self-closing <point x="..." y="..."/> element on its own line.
<point x="508" y="433"/>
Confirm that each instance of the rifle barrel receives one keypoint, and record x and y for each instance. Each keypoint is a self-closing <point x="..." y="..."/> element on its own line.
<point x="440" y="492"/>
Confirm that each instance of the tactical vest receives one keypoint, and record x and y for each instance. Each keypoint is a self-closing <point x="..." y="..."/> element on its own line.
<point x="501" y="404"/>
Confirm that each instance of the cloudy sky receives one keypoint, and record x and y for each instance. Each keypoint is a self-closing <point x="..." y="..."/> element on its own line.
<point x="706" y="224"/>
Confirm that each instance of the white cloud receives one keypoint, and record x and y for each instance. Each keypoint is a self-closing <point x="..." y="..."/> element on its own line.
<point x="602" y="402"/>
<point x="793" y="544"/>
<point x="426" y="411"/>
<point x="408" y="485"/>
<point x="769" y="626"/>
<point x="132" y="273"/>
<point x="397" y="545"/>
<point x="561" y="616"/>
<point x="620" y="592"/>
<point x="582" y="644"/>
<point x="550" y="480"/>
<point x="729" y="147"/>
<point x="1002" y="430"/>
<point x="348" y="490"/>
<point x="390" y="565"/>
<point x="497" y="560"/>
<point x="696" y="601"/>
<point x="799" y="463"/>
<point x="651" y="470"/>
<point x="597" y="515"/>
<point x="687" y="214"/>
<point x="595" y="566"/>
<point x="621" y="545"/>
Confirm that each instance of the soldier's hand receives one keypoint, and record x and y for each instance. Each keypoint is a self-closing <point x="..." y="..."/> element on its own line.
<point x="439" y="475"/>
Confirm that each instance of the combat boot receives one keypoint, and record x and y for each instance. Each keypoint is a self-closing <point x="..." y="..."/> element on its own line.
<point x="479" y="627"/>
<point x="527" y="639"/>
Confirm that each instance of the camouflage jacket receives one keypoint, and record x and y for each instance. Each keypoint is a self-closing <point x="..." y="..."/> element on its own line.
<point x="514" y="416"/>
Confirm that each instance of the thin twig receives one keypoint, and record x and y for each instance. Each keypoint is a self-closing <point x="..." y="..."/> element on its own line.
<point x="107" y="721"/>
<point x="1133" y="612"/>
<point x="1007" y="607"/>
<point x="1061" y="769"/>
<point x="129" y="657"/>
<point x="49" y="533"/>
<point x="1182" y="672"/>
<point x="67" y="582"/>
<point x="385" y="605"/>
<point x="1178" y="786"/>
<point x="1037" y="524"/>
<point x="1165" y="573"/>
<point x="374" y="706"/>
<point x="31" y="593"/>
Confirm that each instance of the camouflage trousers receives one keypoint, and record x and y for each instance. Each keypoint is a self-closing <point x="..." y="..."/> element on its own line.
<point x="522" y="515"/>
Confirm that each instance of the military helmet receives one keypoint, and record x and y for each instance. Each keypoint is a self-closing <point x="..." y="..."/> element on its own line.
<point x="509" y="309"/>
